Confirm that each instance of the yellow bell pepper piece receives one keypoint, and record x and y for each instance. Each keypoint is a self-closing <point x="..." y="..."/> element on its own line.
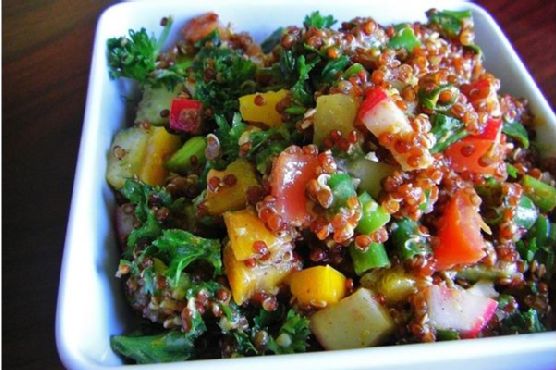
<point x="231" y="198"/>
<point x="265" y="112"/>
<point x="244" y="229"/>
<point x="160" y="146"/>
<point x="318" y="286"/>
<point x="245" y="281"/>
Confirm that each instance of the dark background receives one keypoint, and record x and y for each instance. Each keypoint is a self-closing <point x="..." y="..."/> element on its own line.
<point x="45" y="66"/>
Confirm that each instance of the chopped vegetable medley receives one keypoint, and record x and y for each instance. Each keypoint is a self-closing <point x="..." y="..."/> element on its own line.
<point x="337" y="186"/>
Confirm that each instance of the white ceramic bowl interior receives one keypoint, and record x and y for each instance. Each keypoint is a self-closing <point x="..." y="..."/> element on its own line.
<point x="91" y="306"/>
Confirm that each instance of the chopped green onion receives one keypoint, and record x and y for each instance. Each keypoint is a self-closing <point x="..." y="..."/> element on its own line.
<point x="373" y="216"/>
<point x="542" y="194"/>
<point x="190" y="155"/>
<point x="374" y="256"/>
<point x="404" y="38"/>
<point x="408" y="240"/>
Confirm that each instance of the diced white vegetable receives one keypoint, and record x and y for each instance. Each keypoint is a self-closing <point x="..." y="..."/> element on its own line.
<point x="484" y="289"/>
<point x="459" y="310"/>
<point x="356" y="321"/>
<point x="387" y="118"/>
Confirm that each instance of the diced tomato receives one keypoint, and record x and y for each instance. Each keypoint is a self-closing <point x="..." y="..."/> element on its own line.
<point x="479" y="153"/>
<point x="459" y="233"/>
<point x="483" y="95"/>
<point x="373" y="96"/>
<point x="459" y="310"/>
<point x="186" y="116"/>
<point x="491" y="130"/>
<point x="290" y="174"/>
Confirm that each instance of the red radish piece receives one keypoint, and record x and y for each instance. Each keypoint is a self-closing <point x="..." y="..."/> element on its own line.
<point x="186" y="116"/>
<point x="382" y="116"/>
<point x="290" y="174"/>
<point x="459" y="310"/>
<point x="124" y="220"/>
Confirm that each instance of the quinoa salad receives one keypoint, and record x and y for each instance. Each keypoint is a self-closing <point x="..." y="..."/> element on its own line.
<point x="339" y="185"/>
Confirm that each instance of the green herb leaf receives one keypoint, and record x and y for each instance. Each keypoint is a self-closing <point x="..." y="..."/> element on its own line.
<point x="272" y="40"/>
<point x="228" y="136"/>
<point x="136" y="57"/>
<point x="301" y="92"/>
<point x="522" y="322"/>
<point x="450" y="22"/>
<point x="404" y="38"/>
<point x="517" y="131"/>
<point x="140" y="194"/>
<point x="446" y="335"/>
<point x="447" y="131"/>
<point x="333" y="69"/>
<point x="316" y="20"/>
<point x="172" y="346"/>
<point x="222" y="76"/>
<point x="180" y="248"/>
<point x="294" y="332"/>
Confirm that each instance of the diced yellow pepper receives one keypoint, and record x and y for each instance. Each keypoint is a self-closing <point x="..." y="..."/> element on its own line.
<point x="334" y="112"/>
<point x="231" y="198"/>
<point x="160" y="146"/>
<point x="318" y="286"/>
<point x="245" y="281"/>
<point x="244" y="229"/>
<point x="265" y="112"/>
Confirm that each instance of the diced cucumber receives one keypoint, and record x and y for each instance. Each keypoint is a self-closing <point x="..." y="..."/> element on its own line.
<point x="154" y="101"/>
<point x="374" y="256"/>
<point x="370" y="173"/>
<point x="182" y="161"/>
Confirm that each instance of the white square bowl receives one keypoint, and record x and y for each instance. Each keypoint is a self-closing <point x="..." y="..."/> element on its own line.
<point x="91" y="306"/>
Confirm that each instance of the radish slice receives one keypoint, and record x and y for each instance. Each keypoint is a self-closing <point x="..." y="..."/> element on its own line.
<point x="459" y="310"/>
<point x="382" y="116"/>
<point x="124" y="220"/>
